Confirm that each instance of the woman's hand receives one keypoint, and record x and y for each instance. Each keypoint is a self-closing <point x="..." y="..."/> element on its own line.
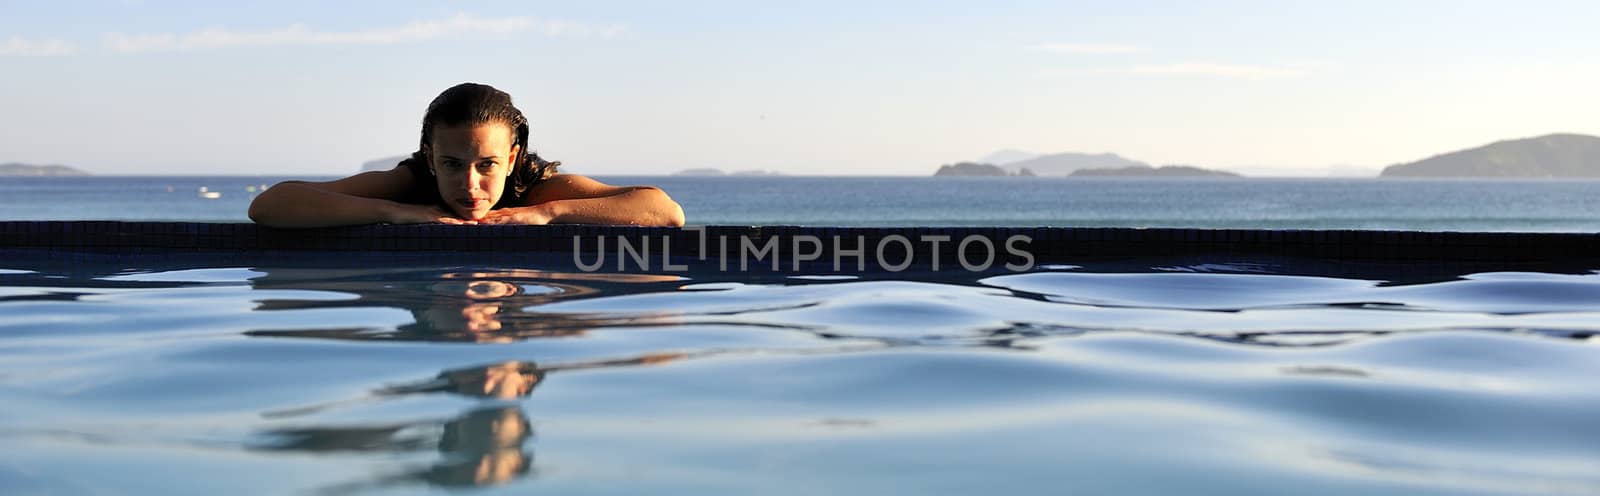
<point x="405" y="213"/>
<point x="530" y="215"/>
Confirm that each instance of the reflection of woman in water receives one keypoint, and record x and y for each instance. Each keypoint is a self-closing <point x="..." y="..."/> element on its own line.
<point x="473" y="166"/>
<point x="506" y="380"/>
<point x="480" y="306"/>
<point x="482" y="447"/>
<point x="511" y="379"/>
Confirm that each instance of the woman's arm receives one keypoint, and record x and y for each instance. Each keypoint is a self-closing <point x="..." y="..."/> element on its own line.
<point x="575" y="199"/>
<point x="364" y="198"/>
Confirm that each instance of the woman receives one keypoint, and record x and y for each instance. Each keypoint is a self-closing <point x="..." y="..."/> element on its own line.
<point x="473" y="166"/>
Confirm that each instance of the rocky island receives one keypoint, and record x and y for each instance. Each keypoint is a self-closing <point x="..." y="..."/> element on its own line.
<point x="1064" y="164"/>
<point x="977" y="169"/>
<point x="1551" y="155"/>
<point x="1068" y="164"/>
<point x="53" y="170"/>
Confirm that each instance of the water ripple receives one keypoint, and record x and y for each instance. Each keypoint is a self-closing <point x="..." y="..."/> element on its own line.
<point x="1197" y="377"/>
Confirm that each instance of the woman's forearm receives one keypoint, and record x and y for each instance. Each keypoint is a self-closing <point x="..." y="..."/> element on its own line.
<point x="299" y="205"/>
<point x="643" y="206"/>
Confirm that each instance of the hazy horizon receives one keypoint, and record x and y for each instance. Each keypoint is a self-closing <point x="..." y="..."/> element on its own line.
<point x="830" y="89"/>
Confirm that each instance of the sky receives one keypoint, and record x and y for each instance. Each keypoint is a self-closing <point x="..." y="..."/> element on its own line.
<point x="804" y="88"/>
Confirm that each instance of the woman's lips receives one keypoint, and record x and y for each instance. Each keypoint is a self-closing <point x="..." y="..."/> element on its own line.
<point x="471" y="202"/>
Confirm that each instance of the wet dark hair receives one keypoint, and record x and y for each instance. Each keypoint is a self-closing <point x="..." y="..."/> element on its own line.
<point x="472" y="104"/>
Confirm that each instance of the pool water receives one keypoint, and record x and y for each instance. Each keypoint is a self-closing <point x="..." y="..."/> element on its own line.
<point x="1215" y="377"/>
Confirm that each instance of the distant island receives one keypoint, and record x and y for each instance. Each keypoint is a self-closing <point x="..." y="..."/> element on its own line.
<point x="977" y="169"/>
<point x="1551" y="155"/>
<point x="708" y="171"/>
<point x="1147" y="171"/>
<point x="1077" y="165"/>
<point x="1064" y="164"/>
<point x="16" y="169"/>
<point x="1013" y="161"/>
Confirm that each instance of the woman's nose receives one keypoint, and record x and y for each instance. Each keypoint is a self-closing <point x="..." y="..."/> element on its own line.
<point x="474" y="180"/>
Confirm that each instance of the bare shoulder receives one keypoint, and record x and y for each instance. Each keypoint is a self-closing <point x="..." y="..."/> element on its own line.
<point x="573" y="186"/>
<point x="389" y="184"/>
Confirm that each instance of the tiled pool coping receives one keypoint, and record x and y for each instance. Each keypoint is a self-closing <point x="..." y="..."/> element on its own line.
<point x="1047" y="244"/>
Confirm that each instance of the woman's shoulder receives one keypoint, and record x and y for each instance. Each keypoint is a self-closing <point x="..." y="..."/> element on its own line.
<point x="566" y="186"/>
<point x="397" y="184"/>
<point x="567" y="181"/>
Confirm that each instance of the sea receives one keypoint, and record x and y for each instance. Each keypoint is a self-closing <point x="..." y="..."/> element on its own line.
<point x="1537" y="205"/>
<point x="373" y="373"/>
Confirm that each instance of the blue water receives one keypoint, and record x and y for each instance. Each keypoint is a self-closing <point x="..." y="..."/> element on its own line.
<point x="1408" y="204"/>
<point x="307" y="376"/>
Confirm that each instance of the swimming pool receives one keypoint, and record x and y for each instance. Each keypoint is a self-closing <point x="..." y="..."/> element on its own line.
<point x="210" y="358"/>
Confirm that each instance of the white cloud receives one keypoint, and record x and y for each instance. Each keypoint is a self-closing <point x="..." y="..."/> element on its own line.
<point x="300" y="34"/>
<point x="1089" y="48"/>
<point x="17" y="46"/>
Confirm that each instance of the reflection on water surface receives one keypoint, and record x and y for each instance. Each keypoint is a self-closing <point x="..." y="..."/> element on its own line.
<point x="1219" y="377"/>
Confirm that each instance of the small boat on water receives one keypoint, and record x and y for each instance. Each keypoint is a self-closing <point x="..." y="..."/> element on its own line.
<point x="209" y="195"/>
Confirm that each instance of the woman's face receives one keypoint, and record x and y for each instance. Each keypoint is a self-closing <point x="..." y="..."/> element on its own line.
<point x="471" y="164"/>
